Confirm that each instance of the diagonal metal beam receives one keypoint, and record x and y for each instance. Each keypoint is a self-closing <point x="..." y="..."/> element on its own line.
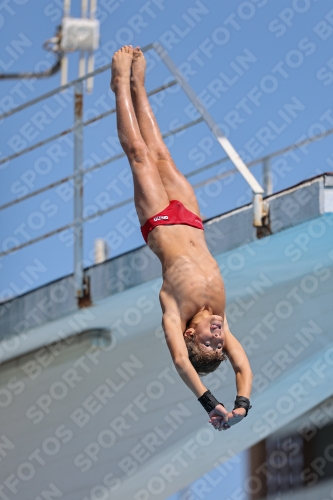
<point x="220" y="137"/>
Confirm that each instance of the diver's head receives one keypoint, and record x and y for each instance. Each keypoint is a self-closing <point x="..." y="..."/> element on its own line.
<point x="204" y="338"/>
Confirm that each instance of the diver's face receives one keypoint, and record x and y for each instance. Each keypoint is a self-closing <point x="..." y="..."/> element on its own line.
<point x="209" y="333"/>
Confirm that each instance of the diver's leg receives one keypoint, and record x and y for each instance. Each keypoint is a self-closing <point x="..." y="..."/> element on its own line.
<point x="149" y="193"/>
<point x="176" y="185"/>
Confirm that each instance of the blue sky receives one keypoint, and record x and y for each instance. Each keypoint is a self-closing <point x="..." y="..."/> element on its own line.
<point x="264" y="69"/>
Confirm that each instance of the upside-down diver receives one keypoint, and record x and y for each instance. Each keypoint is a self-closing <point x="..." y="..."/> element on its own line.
<point x="192" y="295"/>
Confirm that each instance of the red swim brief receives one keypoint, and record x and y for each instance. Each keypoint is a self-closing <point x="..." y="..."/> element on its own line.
<point x="175" y="213"/>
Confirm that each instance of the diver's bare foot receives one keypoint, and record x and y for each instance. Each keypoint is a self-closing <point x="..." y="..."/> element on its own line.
<point x="121" y="66"/>
<point x="138" y="67"/>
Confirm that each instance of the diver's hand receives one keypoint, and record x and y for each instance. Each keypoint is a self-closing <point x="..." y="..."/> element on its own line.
<point x="233" y="418"/>
<point x="218" y="417"/>
<point x="236" y="416"/>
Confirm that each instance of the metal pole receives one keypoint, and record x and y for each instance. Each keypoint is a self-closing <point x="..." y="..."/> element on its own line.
<point x="64" y="59"/>
<point x="78" y="188"/>
<point x="220" y="137"/>
<point x="82" y="60"/>
<point x="91" y="56"/>
<point x="267" y="175"/>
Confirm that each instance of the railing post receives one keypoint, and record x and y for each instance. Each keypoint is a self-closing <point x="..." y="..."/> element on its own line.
<point x="267" y="175"/>
<point x="78" y="189"/>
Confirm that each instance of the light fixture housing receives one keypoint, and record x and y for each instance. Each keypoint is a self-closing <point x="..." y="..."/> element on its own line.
<point x="79" y="34"/>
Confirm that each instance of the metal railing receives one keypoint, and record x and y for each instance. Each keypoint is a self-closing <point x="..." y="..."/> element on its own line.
<point x="79" y="172"/>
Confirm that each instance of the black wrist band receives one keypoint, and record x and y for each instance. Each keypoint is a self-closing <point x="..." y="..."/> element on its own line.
<point x="208" y="401"/>
<point x="242" y="402"/>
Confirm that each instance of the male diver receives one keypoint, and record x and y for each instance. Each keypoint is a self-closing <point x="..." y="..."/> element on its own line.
<point x="192" y="296"/>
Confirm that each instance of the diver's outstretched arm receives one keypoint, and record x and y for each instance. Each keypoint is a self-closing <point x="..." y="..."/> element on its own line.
<point x="241" y="366"/>
<point x="177" y="347"/>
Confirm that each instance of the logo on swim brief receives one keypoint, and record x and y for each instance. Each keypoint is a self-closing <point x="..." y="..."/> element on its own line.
<point x="161" y="217"/>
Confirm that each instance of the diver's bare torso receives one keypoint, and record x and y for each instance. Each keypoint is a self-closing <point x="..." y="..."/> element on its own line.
<point x="192" y="285"/>
<point x="191" y="277"/>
